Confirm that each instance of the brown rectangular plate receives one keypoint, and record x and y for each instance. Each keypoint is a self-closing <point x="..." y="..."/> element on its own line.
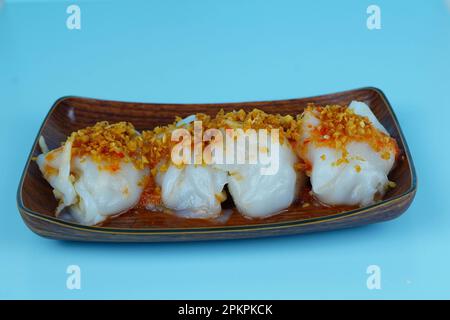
<point x="37" y="204"/>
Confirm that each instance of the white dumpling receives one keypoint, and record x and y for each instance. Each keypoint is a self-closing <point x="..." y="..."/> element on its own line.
<point x="193" y="191"/>
<point x="355" y="182"/>
<point x="258" y="195"/>
<point x="91" y="192"/>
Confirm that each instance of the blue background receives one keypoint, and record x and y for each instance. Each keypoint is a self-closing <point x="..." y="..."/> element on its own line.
<point x="219" y="51"/>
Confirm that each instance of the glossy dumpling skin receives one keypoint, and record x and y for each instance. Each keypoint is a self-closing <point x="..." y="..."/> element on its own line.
<point x="192" y="191"/>
<point x="90" y="192"/>
<point x="258" y="195"/>
<point x="355" y="182"/>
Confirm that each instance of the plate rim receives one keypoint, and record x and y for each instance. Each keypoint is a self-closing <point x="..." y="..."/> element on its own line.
<point x="220" y="229"/>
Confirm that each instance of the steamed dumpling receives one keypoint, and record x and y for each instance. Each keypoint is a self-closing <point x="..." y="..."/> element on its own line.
<point x="261" y="188"/>
<point x="193" y="191"/>
<point x="257" y="195"/>
<point x="353" y="175"/>
<point x="91" y="190"/>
